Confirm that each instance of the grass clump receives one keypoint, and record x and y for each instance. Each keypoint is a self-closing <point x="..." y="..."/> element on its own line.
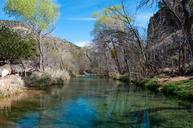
<point x="183" y="89"/>
<point x="57" y="74"/>
<point x="124" y="77"/>
<point x="48" y="78"/>
<point x="11" y="85"/>
<point x="151" y="84"/>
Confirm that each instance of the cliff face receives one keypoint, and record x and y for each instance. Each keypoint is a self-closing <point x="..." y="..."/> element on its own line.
<point x="162" y="25"/>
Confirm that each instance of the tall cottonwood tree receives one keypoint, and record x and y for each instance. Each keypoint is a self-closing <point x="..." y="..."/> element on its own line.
<point x="117" y="39"/>
<point x="119" y="12"/>
<point x="106" y="30"/>
<point x="41" y="15"/>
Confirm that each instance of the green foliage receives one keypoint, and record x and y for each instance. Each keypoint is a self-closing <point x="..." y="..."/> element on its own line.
<point x="41" y="13"/>
<point x="14" y="47"/>
<point x="124" y="77"/>
<point x="152" y="84"/>
<point x="48" y="78"/>
<point x="191" y="2"/>
<point x="182" y="89"/>
<point x="112" y="15"/>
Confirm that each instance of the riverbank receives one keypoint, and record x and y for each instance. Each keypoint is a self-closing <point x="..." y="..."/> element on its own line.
<point x="180" y="87"/>
<point x="15" y="84"/>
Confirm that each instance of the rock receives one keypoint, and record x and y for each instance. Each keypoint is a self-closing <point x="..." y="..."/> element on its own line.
<point x="161" y="25"/>
<point x="165" y="38"/>
<point x="5" y="70"/>
<point x="17" y="68"/>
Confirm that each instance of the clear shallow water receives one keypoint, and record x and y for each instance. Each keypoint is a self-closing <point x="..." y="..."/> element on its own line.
<point x="94" y="103"/>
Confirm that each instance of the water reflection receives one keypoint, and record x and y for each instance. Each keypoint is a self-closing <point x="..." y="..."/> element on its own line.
<point x="90" y="103"/>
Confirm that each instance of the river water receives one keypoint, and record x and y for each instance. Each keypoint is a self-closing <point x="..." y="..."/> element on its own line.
<point x="94" y="103"/>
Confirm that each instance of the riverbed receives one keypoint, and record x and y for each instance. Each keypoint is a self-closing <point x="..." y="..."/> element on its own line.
<point x="95" y="103"/>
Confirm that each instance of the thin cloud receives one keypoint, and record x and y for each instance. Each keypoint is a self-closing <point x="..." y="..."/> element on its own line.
<point x="80" y="19"/>
<point x="83" y="43"/>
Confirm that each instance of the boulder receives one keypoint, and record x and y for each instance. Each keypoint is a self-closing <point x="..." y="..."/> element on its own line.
<point x="5" y="70"/>
<point x="17" y="68"/>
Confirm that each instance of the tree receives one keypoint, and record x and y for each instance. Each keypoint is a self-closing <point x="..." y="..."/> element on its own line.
<point x="40" y="15"/>
<point x="14" y="47"/>
<point x="120" y="13"/>
<point x="106" y="32"/>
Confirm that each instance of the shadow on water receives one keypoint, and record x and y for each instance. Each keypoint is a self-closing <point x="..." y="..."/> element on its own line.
<point x="95" y="103"/>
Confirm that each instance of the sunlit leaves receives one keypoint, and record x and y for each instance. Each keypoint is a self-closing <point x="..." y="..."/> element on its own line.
<point x="112" y="17"/>
<point x="21" y="8"/>
<point x="42" y="13"/>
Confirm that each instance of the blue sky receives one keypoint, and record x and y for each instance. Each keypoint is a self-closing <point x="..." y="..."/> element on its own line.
<point x="76" y="23"/>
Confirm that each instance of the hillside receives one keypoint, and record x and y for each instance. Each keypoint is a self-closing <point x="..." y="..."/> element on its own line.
<point x="58" y="53"/>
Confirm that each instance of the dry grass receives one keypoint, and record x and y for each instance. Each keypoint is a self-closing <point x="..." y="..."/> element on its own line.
<point x="48" y="78"/>
<point x="174" y="79"/>
<point x="57" y="74"/>
<point x="11" y="85"/>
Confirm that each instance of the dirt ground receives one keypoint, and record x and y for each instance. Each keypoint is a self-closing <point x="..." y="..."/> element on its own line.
<point x="175" y="79"/>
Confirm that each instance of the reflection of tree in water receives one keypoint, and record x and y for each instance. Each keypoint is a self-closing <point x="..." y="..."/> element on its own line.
<point x="120" y="112"/>
<point x="100" y="103"/>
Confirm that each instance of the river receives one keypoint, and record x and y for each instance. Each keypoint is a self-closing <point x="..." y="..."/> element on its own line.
<point x="94" y="103"/>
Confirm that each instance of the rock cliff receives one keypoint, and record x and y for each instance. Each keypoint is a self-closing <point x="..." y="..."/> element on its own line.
<point x="161" y="26"/>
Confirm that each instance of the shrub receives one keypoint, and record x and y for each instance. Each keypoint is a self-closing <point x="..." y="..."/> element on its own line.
<point x="54" y="73"/>
<point x="124" y="77"/>
<point x="183" y="89"/>
<point x="152" y="84"/>
<point x="11" y="85"/>
<point x="48" y="78"/>
<point x="13" y="46"/>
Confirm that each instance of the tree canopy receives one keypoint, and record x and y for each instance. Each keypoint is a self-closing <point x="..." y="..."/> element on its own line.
<point x="42" y="14"/>
<point x="112" y="17"/>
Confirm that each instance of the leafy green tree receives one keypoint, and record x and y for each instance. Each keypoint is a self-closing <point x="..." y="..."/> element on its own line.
<point x="14" y="47"/>
<point x="41" y="15"/>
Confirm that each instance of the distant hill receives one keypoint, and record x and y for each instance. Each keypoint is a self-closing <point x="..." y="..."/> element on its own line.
<point x="58" y="53"/>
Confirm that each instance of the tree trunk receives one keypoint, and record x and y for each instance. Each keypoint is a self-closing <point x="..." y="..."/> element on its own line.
<point x="116" y="59"/>
<point x="41" y="60"/>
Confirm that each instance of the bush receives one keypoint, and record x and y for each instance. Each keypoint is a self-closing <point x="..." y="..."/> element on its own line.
<point x="10" y="85"/>
<point x="58" y="74"/>
<point x="13" y="46"/>
<point x="124" y="77"/>
<point x="183" y="89"/>
<point x="152" y="84"/>
<point x="48" y="78"/>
